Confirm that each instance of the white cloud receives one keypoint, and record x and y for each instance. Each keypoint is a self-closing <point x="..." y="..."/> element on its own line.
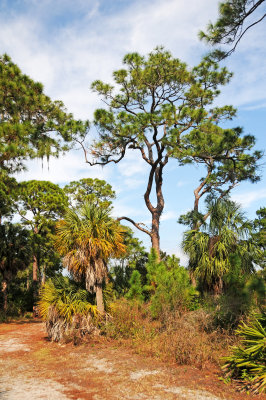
<point x="257" y="106"/>
<point x="168" y="215"/>
<point x="62" y="170"/>
<point x="132" y="183"/>
<point x="68" y="56"/>
<point x="133" y="165"/>
<point x="181" y="183"/>
<point x="247" y="198"/>
<point x="183" y="257"/>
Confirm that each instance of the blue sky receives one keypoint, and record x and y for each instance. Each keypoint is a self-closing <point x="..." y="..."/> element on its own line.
<point x="66" y="45"/>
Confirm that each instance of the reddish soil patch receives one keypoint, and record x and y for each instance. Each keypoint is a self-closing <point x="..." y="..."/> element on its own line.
<point x="33" y="368"/>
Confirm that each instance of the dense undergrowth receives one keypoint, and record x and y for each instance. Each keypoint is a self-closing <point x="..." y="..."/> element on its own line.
<point x="163" y="316"/>
<point x="187" y="338"/>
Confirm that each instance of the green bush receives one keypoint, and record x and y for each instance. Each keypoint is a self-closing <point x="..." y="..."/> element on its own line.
<point x="247" y="362"/>
<point x="135" y="289"/>
<point x="243" y="296"/>
<point x="169" y="286"/>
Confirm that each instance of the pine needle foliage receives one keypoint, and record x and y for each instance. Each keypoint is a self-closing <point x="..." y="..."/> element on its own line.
<point x="136" y="289"/>
<point x="168" y="286"/>
<point x="247" y="363"/>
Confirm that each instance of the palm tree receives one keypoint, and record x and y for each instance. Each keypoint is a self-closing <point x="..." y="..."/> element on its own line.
<point x="214" y="249"/>
<point x="87" y="238"/>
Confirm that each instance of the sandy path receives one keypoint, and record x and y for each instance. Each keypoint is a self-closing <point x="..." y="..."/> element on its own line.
<point x="33" y="368"/>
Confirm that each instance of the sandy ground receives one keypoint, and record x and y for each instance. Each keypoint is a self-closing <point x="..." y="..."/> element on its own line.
<point x="34" y="369"/>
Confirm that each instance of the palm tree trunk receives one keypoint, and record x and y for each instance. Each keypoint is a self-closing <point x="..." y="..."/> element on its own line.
<point x="99" y="298"/>
<point x="192" y="278"/>
<point x="43" y="275"/>
<point x="28" y="280"/>
<point x="35" y="278"/>
<point x="218" y="287"/>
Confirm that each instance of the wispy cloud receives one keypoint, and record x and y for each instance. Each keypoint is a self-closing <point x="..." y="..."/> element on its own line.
<point x="257" y="106"/>
<point x="181" y="183"/>
<point x="62" y="170"/>
<point x="247" y="198"/>
<point x="133" y="165"/>
<point x="168" y="215"/>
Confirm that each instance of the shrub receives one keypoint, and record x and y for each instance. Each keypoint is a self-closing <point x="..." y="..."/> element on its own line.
<point x="243" y="295"/>
<point x="68" y="314"/>
<point x="247" y="362"/>
<point x="185" y="339"/>
<point x="169" y="286"/>
<point x="135" y="289"/>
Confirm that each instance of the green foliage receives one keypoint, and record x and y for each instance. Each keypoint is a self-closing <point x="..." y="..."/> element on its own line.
<point x="153" y="268"/>
<point x="169" y="286"/>
<point x="247" y="361"/>
<point x="220" y="247"/>
<point x="40" y="204"/>
<point x="135" y="289"/>
<point x="135" y="257"/>
<point x="8" y="186"/>
<point x="243" y="294"/>
<point x="44" y="200"/>
<point x="225" y="154"/>
<point x="86" y="238"/>
<point x="65" y="299"/>
<point x="163" y="109"/>
<point x="31" y="124"/>
<point x="91" y="190"/>
<point x="235" y="18"/>
<point x="259" y="235"/>
<point x="14" y="250"/>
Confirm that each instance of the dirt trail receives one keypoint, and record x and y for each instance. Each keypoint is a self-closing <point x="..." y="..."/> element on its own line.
<point x="33" y="368"/>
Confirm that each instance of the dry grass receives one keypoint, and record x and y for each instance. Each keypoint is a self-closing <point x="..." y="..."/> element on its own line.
<point x="186" y="339"/>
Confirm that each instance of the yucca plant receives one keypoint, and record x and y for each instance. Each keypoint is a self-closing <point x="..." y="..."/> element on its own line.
<point x="247" y="363"/>
<point x="66" y="310"/>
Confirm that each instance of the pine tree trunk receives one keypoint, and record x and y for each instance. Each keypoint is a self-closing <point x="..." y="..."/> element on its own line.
<point x="4" y="291"/>
<point x="99" y="298"/>
<point x="155" y="237"/>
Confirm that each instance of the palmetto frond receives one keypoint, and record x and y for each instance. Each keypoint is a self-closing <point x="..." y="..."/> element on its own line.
<point x="65" y="302"/>
<point x="211" y="249"/>
<point x="86" y="239"/>
<point x="247" y="361"/>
